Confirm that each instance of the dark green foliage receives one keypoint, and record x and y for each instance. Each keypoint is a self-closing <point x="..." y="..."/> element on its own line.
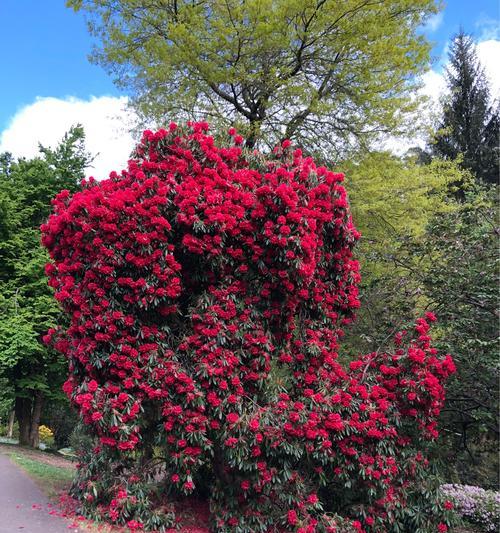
<point x="470" y="122"/>
<point x="461" y="284"/>
<point x="61" y="419"/>
<point x="80" y="439"/>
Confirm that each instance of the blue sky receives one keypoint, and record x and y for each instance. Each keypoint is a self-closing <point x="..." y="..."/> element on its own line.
<point x="478" y="17"/>
<point x="44" y="56"/>
<point x="44" y="48"/>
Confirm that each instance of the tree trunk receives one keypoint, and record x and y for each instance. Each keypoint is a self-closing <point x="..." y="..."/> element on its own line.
<point x="220" y="467"/>
<point x="152" y="415"/>
<point x="35" y="420"/>
<point x="23" y="415"/>
<point x="254" y="134"/>
<point x="10" y="429"/>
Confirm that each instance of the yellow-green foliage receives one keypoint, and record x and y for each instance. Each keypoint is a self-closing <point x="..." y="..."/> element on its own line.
<point x="46" y="434"/>
<point x="392" y="198"/>
<point x="317" y="71"/>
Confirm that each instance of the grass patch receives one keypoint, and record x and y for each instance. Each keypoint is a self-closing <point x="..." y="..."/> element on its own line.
<point x="51" y="479"/>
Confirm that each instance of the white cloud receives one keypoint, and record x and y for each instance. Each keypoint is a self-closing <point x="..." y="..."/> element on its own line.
<point x="433" y="87"/>
<point x="487" y="28"/>
<point x="433" y="84"/>
<point x="488" y="53"/>
<point x="106" y="120"/>
<point x="434" y="22"/>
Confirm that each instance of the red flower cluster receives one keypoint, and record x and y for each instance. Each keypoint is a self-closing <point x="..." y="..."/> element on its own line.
<point x="207" y="292"/>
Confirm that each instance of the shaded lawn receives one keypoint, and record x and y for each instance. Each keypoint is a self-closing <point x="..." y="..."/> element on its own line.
<point x="52" y="473"/>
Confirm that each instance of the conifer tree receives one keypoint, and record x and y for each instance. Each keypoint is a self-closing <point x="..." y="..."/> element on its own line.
<point x="470" y="121"/>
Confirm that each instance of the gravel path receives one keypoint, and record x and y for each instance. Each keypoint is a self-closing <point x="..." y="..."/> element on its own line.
<point x="23" y="508"/>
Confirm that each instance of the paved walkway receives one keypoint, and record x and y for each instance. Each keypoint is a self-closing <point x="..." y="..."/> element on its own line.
<point x="23" y="508"/>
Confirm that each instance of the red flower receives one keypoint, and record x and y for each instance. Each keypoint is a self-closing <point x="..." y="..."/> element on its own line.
<point x="312" y="499"/>
<point x="292" y="517"/>
<point x="431" y="317"/>
<point x="232" y="418"/>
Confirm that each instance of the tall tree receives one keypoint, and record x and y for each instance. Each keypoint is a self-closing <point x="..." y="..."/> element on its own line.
<point x="31" y="371"/>
<point x="470" y="123"/>
<point x="328" y="74"/>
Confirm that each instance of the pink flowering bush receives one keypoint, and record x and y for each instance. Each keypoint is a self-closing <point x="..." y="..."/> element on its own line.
<point x="207" y="290"/>
<point x="475" y="504"/>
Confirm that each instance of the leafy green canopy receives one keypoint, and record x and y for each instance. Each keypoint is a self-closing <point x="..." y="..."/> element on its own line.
<point x="395" y="198"/>
<point x="27" y="307"/>
<point x="328" y="74"/>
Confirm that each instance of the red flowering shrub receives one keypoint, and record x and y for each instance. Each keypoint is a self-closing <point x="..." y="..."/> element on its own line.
<point x="207" y="291"/>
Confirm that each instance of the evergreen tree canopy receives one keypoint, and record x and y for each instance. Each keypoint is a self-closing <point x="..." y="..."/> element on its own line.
<point x="470" y="121"/>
